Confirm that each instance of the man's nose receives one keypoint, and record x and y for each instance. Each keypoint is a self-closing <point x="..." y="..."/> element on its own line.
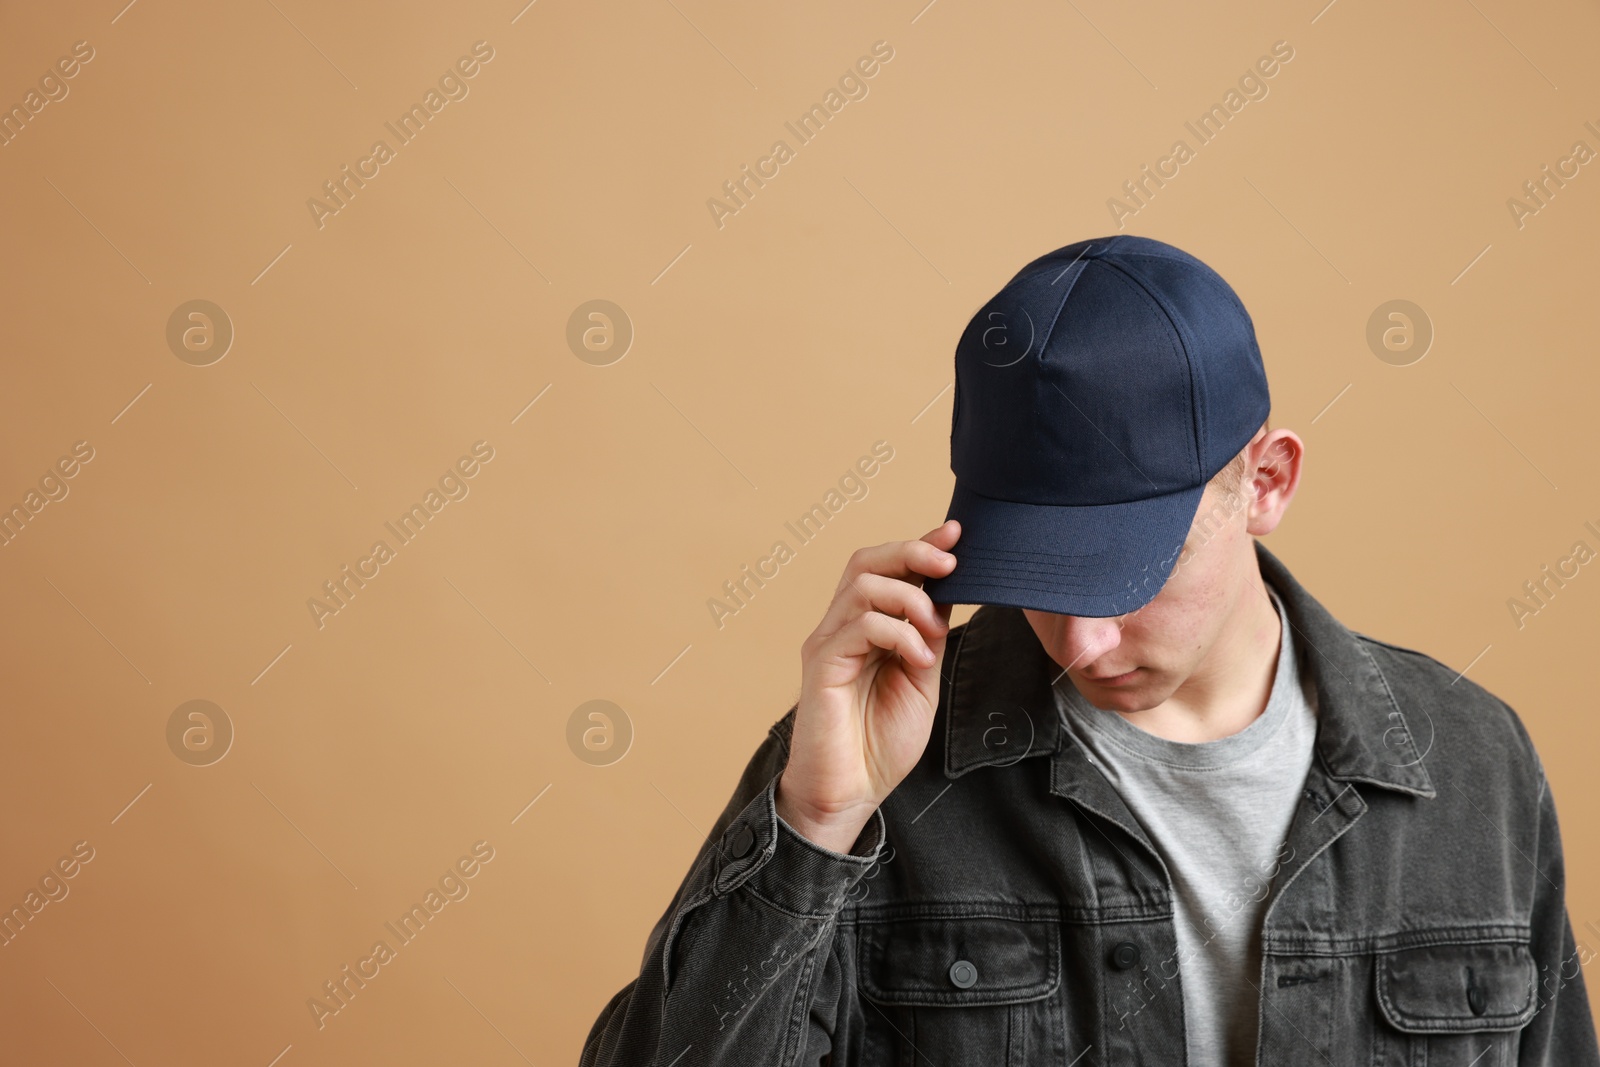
<point x="1085" y="639"/>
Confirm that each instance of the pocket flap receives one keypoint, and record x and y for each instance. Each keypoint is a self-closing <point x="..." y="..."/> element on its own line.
<point x="1449" y="988"/>
<point x="956" y="961"/>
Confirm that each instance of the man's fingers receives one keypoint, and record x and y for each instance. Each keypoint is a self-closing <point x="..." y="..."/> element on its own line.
<point x="877" y="630"/>
<point x="944" y="535"/>
<point x="902" y="559"/>
<point x="902" y="600"/>
<point x="891" y="596"/>
<point x="872" y="575"/>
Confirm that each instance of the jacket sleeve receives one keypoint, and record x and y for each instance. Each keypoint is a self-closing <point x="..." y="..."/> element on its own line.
<point x="740" y="968"/>
<point x="1562" y="1032"/>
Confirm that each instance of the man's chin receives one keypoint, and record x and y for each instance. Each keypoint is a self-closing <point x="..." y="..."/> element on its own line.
<point x="1139" y="694"/>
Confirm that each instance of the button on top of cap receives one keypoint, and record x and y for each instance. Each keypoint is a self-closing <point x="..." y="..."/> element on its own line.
<point x="963" y="974"/>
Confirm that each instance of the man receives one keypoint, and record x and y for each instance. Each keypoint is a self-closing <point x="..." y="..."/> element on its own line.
<point x="1152" y="804"/>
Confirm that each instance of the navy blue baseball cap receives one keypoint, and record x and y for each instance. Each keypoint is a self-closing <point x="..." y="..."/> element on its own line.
<point x="1096" y="395"/>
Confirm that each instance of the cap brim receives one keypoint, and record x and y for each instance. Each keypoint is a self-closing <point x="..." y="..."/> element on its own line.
<point x="1095" y="561"/>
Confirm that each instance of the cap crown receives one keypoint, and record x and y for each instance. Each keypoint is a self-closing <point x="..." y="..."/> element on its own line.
<point x="1113" y="369"/>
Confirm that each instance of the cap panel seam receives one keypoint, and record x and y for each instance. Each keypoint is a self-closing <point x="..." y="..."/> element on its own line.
<point x="1196" y="404"/>
<point x="1223" y="290"/>
<point x="1041" y="380"/>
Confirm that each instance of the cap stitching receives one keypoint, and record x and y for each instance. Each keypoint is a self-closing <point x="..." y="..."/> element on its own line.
<point x="1195" y="403"/>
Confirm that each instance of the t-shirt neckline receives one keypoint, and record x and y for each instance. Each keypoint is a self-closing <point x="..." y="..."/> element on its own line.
<point x="1191" y="755"/>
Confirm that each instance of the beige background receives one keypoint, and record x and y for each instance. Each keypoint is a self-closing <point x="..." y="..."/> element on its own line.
<point x="371" y="353"/>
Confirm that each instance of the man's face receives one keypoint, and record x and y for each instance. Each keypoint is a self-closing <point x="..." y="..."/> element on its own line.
<point x="1163" y="643"/>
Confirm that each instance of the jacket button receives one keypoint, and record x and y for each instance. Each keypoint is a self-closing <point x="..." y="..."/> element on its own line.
<point x="1477" y="1000"/>
<point x="744" y="839"/>
<point x="963" y="974"/>
<point x="1124" y="954"/>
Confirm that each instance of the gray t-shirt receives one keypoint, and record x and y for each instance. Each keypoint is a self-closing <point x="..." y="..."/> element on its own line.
<point x="1218" y="813"/>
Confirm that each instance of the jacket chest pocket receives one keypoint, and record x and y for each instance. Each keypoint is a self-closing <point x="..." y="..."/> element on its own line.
<point x="967" y="990"/>
<point x="1454" y="1005"/>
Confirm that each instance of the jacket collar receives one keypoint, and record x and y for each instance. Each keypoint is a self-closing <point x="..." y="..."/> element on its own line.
<point x="1000" y="707"/>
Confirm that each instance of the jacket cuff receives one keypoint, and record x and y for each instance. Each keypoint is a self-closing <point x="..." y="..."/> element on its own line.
<point x="769" y="858"/>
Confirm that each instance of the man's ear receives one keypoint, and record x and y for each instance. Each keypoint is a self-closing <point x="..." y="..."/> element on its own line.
<point x="1271" y="480"/>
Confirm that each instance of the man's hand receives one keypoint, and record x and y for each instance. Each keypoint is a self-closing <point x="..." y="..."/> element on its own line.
<point x="869" y="687"/>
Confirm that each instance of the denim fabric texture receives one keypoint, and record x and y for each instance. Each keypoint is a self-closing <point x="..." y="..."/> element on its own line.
<point x="1003" y="909"/>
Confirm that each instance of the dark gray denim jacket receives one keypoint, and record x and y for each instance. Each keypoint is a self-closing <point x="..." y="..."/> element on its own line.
<point x="1003" y="907"/>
